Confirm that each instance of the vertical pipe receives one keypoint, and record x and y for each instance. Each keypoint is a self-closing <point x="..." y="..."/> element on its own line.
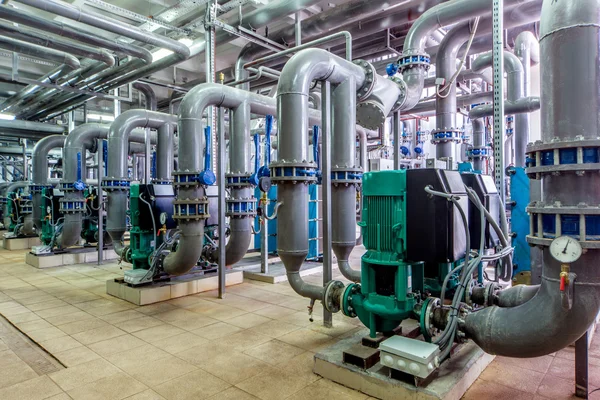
<point x="397" y="126"/>
<point x="165" y="153"/>
<point x="100" y="158"/>
<point x="25" y="167"/>
<point x="298" y="29"/>
<point x="326" y="187"/>
<point x="222" y="208"/>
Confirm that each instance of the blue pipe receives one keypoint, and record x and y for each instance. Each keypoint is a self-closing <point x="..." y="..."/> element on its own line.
<point x="207" y="177"/>
<point x="268" y="130"/>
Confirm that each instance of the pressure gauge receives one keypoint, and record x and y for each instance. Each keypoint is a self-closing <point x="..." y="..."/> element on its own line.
<point x="163" y="218"/>
<point x="565" y="249"/>
<point x="49" y="210"/>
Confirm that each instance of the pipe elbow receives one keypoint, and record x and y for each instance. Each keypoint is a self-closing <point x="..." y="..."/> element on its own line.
<point x="72" y="62"/>
<point x="348" y="272"/>
<point x="526" y="41"/>
<point x="71" y="231"/>
<point x="188" y="250"/>
<point x="516" y="295"/>
<point x="82" y="137"/>
<point x="196" y="100"/>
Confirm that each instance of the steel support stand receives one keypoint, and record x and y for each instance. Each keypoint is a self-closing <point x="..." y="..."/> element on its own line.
<point x="326" y="187"/>
<point x="210" y="38"/>
<point x="264" y="244"/>
<point x="498" y="61"/>
<point x="221" y="165"/>
<point x="581" y="367"/>
<point x="397" y="127"/>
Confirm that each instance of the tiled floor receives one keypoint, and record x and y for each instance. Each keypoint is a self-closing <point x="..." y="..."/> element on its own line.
<point x="257" y="343"/>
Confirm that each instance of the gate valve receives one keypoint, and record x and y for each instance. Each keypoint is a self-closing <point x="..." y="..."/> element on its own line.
<point x="163" y="229"/>
<point x="564" y="280"/>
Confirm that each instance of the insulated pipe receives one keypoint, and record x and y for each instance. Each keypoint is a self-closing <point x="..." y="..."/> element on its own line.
<point x="527" y="49"/>
<point x="520" y="106"/>
<point x="434" y="18"/>
<point x="292" y="106"/>
<point x="47" y="41"/>
<point x="547" y="323"/>
<point x="180" y="50"/>
<point x="148" y="93"/>
<point x="44" y="53"/>
<point x="461" y="101"/>
<point x="118" y="141"/>
<point x="29" y="129"/>
<point x="39" y="172"/>
<point x="478" y="141"/>
<point x="343" y="155"/>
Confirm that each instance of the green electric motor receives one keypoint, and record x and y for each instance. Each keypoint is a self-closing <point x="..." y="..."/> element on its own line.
<point x="390" y="285"/>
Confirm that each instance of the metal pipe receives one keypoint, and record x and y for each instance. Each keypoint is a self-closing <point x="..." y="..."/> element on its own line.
<point x="429" y="106"/>
<point x="292" y="105"/>
<point x="33" y="50"/>
<point x="39" y="172"/>
<point x="478" y="141"/>
<point x="520" y="106"/>
<point x="547" y="323"/>
<point x="118" y="138"/>
<point x="29" y="129"/>
<point x="148" y="93"/>
<point x="527" y="49"/>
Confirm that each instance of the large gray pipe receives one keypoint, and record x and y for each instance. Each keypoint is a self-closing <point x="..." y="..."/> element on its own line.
<point x="39" y="173"/>
<point x="428" y="107"/>
<point x="478" y="141"/>
<point x="292" y="124"/>
<point x="434" y="18"/>
<point x="544" y="324"/>
<point x="18" y="126"/>
<point x="520" y="106"/>
<point x="33" y="50"/>
<point x="118" y="145"/>
<point x="148" y="93"/>
<point x="527" y="49"/>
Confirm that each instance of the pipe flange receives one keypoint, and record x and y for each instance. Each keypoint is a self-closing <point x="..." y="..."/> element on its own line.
<point x="414" y="59"/>
<point x="240" y="208"/>
<point x="186" y="179"/>
<point x="402" y="96"/>
<point x="546" y="222"/>
<point x="162" y="181"/>
<point x="70" y="206"/>
<point x="370" y="77"/>
<point x="563" y="143"/>
<point x="446" y="135"/>
<point x="238" y="181"/>
<point x="347" y="308"/>
<point x="426" y="317"/>
<point x="37" y="189"/>
<point x="283" y="172"/>
<point x="563" y="155"/>
<point x="191" y="209"/>
<point x="111" y="184"/>
<point x="475" y="153"/>
<point x="346" y="176"/>
<point x="539" y="207"/>
<point x="331" y="298"/>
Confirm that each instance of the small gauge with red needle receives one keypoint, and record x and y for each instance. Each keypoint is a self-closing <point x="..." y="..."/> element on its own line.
<point x="566" y="249"/>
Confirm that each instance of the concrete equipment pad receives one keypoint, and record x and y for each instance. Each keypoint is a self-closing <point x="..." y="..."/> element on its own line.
<point x="73" y="256"/>
<point x="177" y="287"/>
<point x="20" y="243"/>
<point x="449" y="382"/>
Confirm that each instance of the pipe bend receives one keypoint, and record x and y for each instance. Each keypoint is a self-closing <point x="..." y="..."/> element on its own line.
<point x="527" y="41"/>
<point x="516" y="295"/>
<point x="148" y="93"/>
<point x="316" y="64"/>
<point x="82" y="136"/>
<point x="39" y="157"/>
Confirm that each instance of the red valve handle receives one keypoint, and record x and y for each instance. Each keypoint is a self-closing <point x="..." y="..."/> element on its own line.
<point x="563" y="282"/>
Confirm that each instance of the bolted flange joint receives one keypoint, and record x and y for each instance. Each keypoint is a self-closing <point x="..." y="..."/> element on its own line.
<point x="413" y="59"/>
<point x="35" y="189"/>
<point x="346" y="176"/>
<point x="191" y="209"/>
<point x="475" y="153"/>
<point x="110" y="184"/>
<point x="370" y="77"/>
<point x="294" y="172"/>
<point x="71" y="206"/>
<point x="446" y="135"/>
<point x="240" y="208"/>
<point x="239" y="180"/>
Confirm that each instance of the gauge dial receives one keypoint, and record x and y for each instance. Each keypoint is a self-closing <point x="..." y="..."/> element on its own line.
<point x="163" y="218"/>
<point x="565" y="249"/>
<point x="49" y="209"/>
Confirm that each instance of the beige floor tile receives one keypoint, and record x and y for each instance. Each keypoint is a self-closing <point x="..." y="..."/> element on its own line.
<point x="324" y="390"/>
<point x="338" y="328"/>
<point x="203" y="354"/>
<point x="193" y="386"/>
<point x="60" y="344"/>
<point x="33" y="325"/>
<point x="218" y="311"/>
<point x="118" y="344"/>
<point x="218" y="330"/>
<point x="108" y="309"/>
<point x="73" y="328"/>
<point x="491" y="390"/>
<point x="233" y="393"/>
<point x="174" y="315"/>
<point x="53" y="312"/>
<point x="156" y="308"/>
<point x="44" y="334"/>
<point x="88" y="305"/>
<point x="194" y="322"/>
<point x="156" y="372"/>
<point x="61" y="396"/>
<point x="275" y="328"/>
<point x="179" y="343"/>
<point x="46" y="305"/>
<point x="123" y="316"/>
<point x="274" y="384"/>
<point x="33" y="389"/>
<point x="146" y="395"/>
<point x="234" y="367"/>
<point x="243" y="303"/>
<point x="274" y="352"/>
<point x="518" y="378"/>
<point x="13" y="369"/>
<point x="248" y="320"/>
<point x="82" y="374"/>
<point x="138" y="324"/>
<point x="25" y="317"/>
<point x="115" y="387"/>
<point x="98" y="334"/>
<point x="139" y="355"/>
<point x="76" y="356"/>
<point x="244" y="340"/>
<point x="301" y="319"/>
<point x="305" y="339"/>
<point x="274" y="311"/>
<point x="77" y="316"/>
<point x="159" y="332"/>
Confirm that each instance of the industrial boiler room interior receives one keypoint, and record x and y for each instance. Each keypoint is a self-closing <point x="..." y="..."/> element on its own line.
<point x="299" y="199"/>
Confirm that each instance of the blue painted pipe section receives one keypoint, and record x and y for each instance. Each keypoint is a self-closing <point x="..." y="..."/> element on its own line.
<point x="268" y="130"/>
<point x="316" y="145"/>
<point x="207" y="154"/>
